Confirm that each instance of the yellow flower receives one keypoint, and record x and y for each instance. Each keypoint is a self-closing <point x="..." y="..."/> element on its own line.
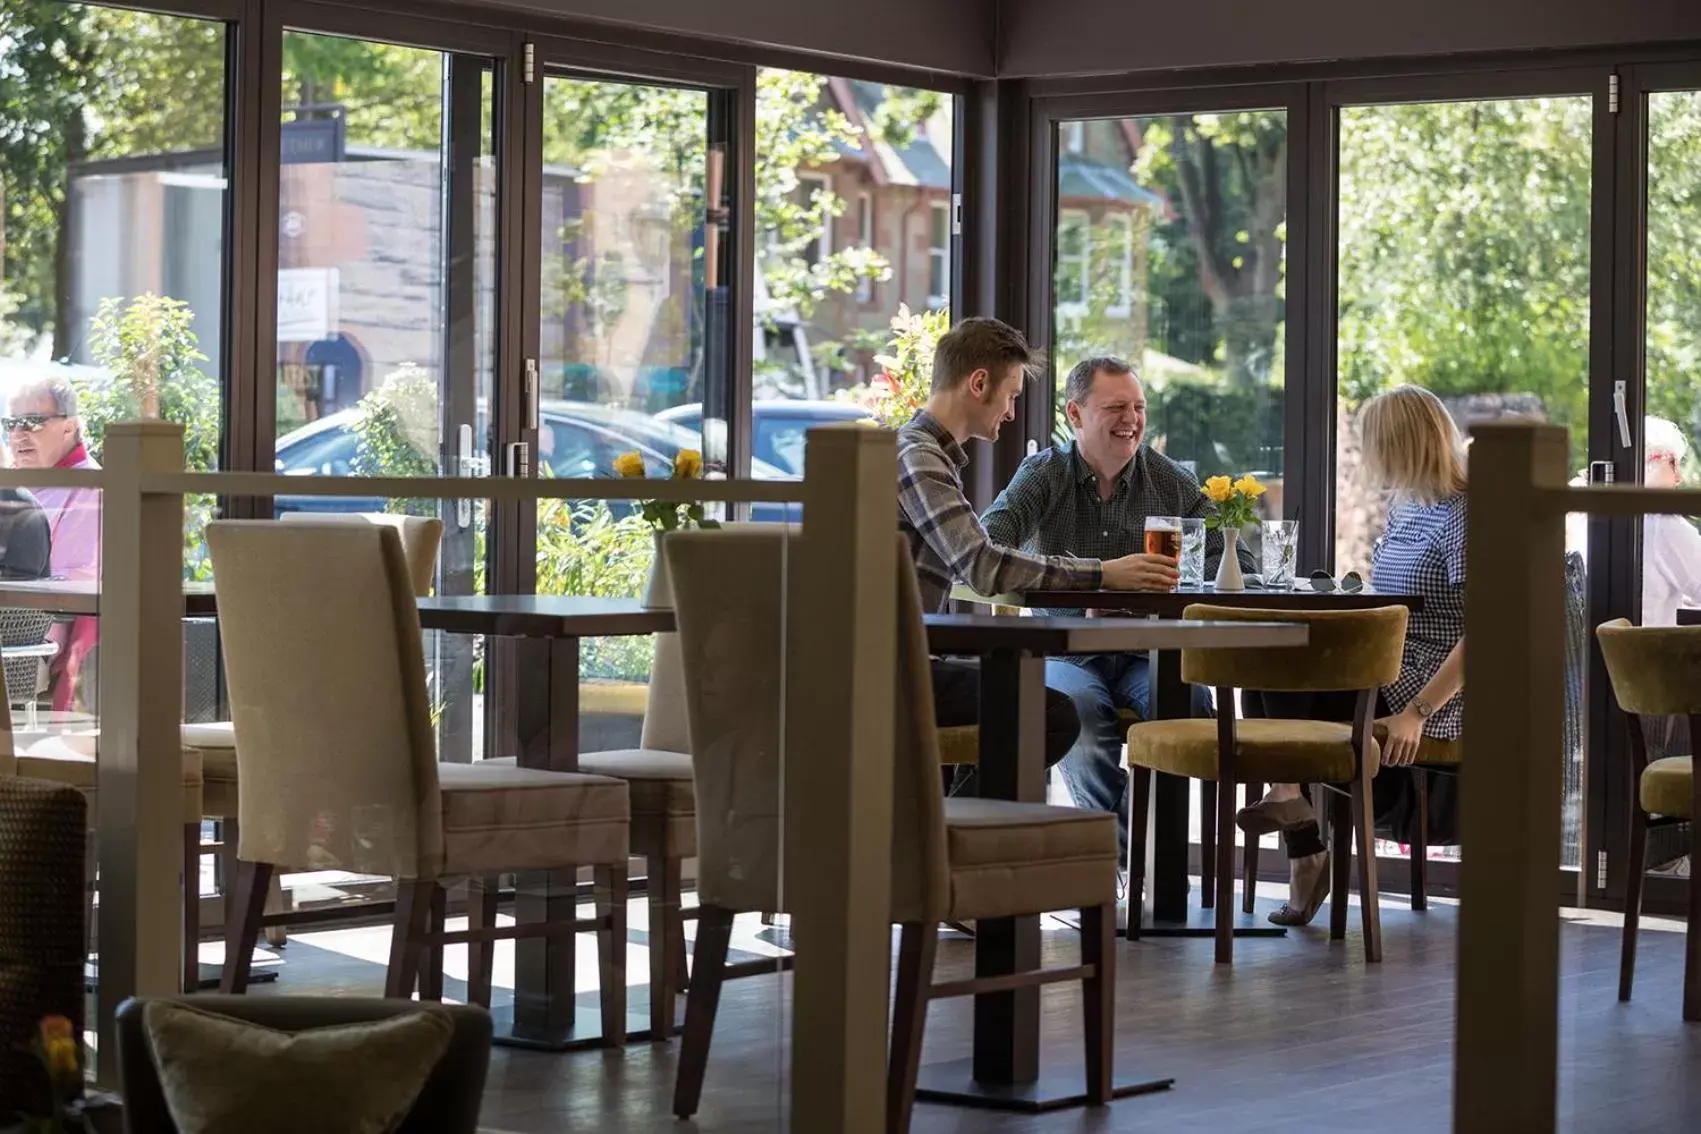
<point x="687" y="464"/>
<point x="1218" y="488"/>
<point x="1249" y="487"/>
<point x="629" y="464"/>
<point x="59" y="1047"/>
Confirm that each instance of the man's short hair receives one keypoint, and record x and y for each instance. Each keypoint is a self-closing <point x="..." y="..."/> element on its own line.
<point x="1080" y="381"/>
<point x="978" y="344"/>
<point x="55" y="386"/>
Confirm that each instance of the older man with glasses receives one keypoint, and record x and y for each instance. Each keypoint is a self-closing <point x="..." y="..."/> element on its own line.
<point x="44" y="432"/>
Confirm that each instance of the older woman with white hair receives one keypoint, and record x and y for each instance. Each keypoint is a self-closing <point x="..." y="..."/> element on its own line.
<point x="1671" y="547"/>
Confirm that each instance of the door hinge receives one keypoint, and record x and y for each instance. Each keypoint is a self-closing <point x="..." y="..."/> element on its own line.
<point x="1612" y="93"/>
<point x="956" y="214"/>
<point x="530" y="63"/>
<point x="1600" y="870"/>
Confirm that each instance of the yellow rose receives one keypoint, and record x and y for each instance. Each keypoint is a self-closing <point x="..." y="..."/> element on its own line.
<point x="629" y="464"/>
<point x="1218" y="488"/>
<point x="1249" y="487"/>
<point x="688" y="464"/>
<point x="59" y="1047"/>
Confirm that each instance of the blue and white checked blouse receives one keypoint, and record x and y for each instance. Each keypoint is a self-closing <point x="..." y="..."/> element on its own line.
<point x="1422" y="552"/>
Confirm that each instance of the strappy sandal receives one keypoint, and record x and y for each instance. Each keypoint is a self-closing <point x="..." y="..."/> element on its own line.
<point x="1288" y="915"/>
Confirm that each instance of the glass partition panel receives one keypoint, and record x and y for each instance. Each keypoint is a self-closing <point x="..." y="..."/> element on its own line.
<point x="1464" y="269"/>
<point x="1171" y="253"/>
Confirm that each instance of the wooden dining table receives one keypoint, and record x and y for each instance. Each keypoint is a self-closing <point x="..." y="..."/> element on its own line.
<point x="1165" y="909"/>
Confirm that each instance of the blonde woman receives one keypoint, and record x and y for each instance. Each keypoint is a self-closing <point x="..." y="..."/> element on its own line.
<point x="1413" y="451"/>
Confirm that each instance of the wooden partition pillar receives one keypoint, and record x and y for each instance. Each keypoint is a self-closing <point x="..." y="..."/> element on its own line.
<point x="841" y="652"/>
<point x="140" y="767"/>
<point x="1507" y="1012"/>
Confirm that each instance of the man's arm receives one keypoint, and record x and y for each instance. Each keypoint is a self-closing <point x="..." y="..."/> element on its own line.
<point x="1014" y="518"/>
<point x="934" y="504"/>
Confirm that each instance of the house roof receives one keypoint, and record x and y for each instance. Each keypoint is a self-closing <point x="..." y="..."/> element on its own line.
<point x="1078" y="178"/>
<point x="921" y="162"/>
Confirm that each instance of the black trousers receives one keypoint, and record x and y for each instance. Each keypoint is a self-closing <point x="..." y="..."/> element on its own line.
<point x="1393" y="793"/>
<point x="956" y="702"/>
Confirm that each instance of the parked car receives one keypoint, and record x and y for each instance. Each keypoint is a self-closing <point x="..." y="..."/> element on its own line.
<point x="780" y="427"/>
<point x="578" y="439"/>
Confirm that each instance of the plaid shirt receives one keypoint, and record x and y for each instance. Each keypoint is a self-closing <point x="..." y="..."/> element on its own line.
<point x="1052" y="506"/>
<point x="946" y="537"/>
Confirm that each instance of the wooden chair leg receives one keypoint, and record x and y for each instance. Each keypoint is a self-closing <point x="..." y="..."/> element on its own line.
<point x="1208" y="844"/>
<point x="708" y="972"/>
<point x="918" y="943"/>
<point x="1098" y="1015"/>
<point x="611" y="897"/>
<point x="1420" y="842"/>
<point x="277" y="936"/>
<point x="1139" y="812"/>
<point x="1369" y="903"/>
<point x="1340" y="862"/>
<point x="192" y="906"/>
<point x="242" y="910"/>
<point x="681" y="969"/>
<point x="665" y="927"/>
<point x="1225" y="872"/>
<point x="1692" y="949"/>
<point x="1249" y="856"/>
<point x="431" y="964"/>
<point x="482" y="894"/>
<point x="407" y="931"/>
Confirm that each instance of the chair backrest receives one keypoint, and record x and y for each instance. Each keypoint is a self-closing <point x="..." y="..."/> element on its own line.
<point x="666" y="728"/>
<point x="328" y="697"/>
<point x="730" y="595"/>
<point x="1347" y="650"/>
<point x="422" y="536"/>
<point x="1655" y="670"/>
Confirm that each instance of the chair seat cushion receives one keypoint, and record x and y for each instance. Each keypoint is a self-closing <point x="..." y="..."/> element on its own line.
<point x="959" y="744"/>
<point x="662" y="793"/>
<point x="1275" y="751"/>
<point x="1668" y="787"/>
<point x="68" y="758"/>
<point x="210" y="734"/>
<point x="216" y="741"/>
<point x="1020" y="858"/>
<point x="499" y="818"/>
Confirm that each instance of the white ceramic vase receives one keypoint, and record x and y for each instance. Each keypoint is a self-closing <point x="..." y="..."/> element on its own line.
<point x="658" y="593"/>
<point x="1228" y="570"/>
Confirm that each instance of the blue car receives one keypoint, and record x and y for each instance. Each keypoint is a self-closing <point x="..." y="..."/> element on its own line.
<point x="578" y="439"/>
<point x="780" y="427"/>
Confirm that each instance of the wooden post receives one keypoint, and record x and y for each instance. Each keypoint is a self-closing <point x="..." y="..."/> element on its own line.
<point x="140" y="767"/>
<point x="1507" y="1038"/>
<point x="839" y="679"/>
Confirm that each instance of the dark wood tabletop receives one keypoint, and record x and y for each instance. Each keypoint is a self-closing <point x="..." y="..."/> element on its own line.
<point x="541" y="616"/>
<point x="1170" y="604"/>
<point x="1062" y="634"/>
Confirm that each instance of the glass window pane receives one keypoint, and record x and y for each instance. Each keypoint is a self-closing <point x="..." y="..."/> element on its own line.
<point x="112" y="300"/>
<point x="827" y="308"/>
<point x="1464" y="269"/>
<point x="1171" y="253"/>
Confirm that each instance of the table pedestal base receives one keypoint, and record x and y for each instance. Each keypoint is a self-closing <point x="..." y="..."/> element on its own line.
<point x="1059" y="1086"/>
<point x="586" y="1029"/>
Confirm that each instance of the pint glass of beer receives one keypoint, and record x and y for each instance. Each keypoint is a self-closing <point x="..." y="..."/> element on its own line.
<point x="1163" y="536"/>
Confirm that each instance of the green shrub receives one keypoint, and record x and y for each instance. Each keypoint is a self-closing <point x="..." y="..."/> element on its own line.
<point x="583" y="549"/>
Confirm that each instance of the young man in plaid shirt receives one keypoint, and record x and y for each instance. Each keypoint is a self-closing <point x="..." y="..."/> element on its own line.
<point x="979" y="369"/>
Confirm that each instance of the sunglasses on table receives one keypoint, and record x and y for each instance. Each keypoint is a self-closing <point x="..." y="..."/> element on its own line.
<point x="29" y="422"/>
<point x="1351" y="583"/>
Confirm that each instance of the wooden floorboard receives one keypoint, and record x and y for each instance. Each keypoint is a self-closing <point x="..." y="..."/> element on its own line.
<point x="1299" y="1035"/>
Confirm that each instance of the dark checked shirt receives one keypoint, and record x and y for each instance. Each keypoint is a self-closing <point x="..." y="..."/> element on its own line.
<point x="1052" y="507"/>
<point x="946" y="537"/>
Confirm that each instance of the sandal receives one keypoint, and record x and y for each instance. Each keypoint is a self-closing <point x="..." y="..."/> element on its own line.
<point x="1289" y="915"/>
<point x="1270" y="815"/>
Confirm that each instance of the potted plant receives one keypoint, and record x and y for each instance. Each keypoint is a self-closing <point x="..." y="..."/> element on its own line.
<point x="1232" y="509"/>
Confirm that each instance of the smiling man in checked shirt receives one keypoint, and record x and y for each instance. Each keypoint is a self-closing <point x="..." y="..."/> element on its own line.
<point x="1092" y="497"/>
<point x="979" y="368"/>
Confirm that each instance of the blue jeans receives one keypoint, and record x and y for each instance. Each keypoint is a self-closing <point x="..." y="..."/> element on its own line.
<point x="1099" y="685"/>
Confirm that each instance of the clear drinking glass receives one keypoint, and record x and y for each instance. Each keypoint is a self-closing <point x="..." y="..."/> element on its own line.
<point x="1281" y="553"/>
<point x="1192" y="552"/>
<point x="1163" y="536"/>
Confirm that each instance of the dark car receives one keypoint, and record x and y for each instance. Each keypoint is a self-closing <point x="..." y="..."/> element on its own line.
<point x="578" y="439"/>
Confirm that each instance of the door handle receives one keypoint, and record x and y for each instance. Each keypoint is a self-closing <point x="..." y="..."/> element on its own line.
<point x="1622" y="414"/>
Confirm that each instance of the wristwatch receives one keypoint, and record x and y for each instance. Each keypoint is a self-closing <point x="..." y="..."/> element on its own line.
<point x="1422" y="708"/>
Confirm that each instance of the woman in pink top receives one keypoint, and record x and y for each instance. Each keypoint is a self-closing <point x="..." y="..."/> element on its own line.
<point x="43" y="432"/>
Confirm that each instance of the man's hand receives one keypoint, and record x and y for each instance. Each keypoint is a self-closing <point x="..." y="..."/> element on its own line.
<point x="1141" y="573"/>
<point x="1400" y="746"/>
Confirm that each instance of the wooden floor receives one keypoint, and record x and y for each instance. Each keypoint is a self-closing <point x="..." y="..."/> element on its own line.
<point x="1299" y="1035"/>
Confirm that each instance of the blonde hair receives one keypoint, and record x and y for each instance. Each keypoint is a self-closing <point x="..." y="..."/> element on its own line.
<point x="1411" y="445"/>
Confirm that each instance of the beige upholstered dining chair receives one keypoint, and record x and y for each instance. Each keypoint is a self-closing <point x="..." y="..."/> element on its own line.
<point x="1349" y="650"/>
<point x="664" y="825"/>
<point x="421" y="538"/>
<point x="953" y="859"/>
<point x="1654" y="672"/>
<point x="337" y="756"/>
